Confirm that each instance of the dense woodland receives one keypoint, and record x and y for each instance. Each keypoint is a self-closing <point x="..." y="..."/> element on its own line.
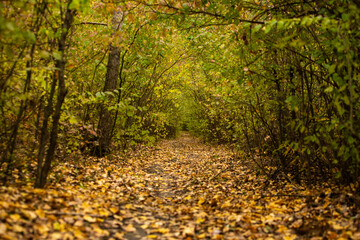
<point x="278" y="80"/>
<point x="179" y="119"/>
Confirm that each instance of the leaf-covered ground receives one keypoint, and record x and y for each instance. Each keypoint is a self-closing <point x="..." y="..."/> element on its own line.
<point x="180" y="189"/>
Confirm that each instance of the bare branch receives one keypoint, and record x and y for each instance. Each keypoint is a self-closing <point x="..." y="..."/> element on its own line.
<point x="92" y="23"/>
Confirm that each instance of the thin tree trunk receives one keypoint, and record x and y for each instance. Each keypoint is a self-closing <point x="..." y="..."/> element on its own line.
<point x="106" y="117"/>
<point x="8" y="154"/>
<point x="59" y="78"/>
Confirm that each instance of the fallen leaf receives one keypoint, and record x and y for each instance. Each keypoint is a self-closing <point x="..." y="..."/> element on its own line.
<point x="130" y="228"/>
<point x="189" y="230"/>
<point x="89" y="218"/>
<point x="2" y="228"/>
<point x="40" y="213"/>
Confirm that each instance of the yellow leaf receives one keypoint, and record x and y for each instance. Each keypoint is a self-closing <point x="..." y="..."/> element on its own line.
<point x="190" y="230"/>
<point x="2" y="228"/>
<point x="144" y="226"/>
<point x="201" y="201"/>
<point x="39" y="191"/>
<point x="103" y="212"/>
<point x="282" y="229"/>
<point x="129" y="206"/>
<point x="4" y="204"/>
<point x="201" y="236"/>
<point x="297" y="224"/>
<point x="15" y="217"/>
<point x="114" y="210"/>
<point x="291" y="237"/>
<point x="42" y="229"/>
<point x="200" y="220"/>
<point x="89" y="219"/>
<point x="56" y="226"/>
<point x="337" y="227"/>
<point x="101" y="231"/>
<point x="226" y="204"/>
<point x="68" y="236"/>
<point x="18" y="228"/>
<point x="130" y="228"/>
<point x="55" y="236"/>
<point x="152" y="236"/>
<point x="79" y="234"/>
<point x="79" y="223"/>
<point x="86" y="206"/>
<point x="40" y="213"/>
<point x="162" y="230"/>
<point x="29" y="214"/>
<point x="119" y="235"/>
<point x="3" y="214"/>
<point x="327" y="203"/>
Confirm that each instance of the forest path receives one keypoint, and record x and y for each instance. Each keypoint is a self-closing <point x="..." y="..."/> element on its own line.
<point x="173" y="174"/>
<point x="180" y="189"/>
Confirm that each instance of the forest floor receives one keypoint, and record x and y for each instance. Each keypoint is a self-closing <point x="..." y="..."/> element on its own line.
<point x="180" y="189"/>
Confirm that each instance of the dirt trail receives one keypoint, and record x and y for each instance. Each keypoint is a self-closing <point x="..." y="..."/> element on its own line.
<point x="170" y="173"/>
<point x="175" y="162"/>
<point x="180" y="189"/>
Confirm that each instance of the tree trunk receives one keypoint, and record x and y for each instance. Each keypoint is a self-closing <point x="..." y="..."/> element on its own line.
<point x="59" y="78"/>
<point x="106" y="117"/>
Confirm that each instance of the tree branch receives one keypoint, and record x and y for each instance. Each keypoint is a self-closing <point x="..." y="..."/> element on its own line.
<point x="91" y="23"/>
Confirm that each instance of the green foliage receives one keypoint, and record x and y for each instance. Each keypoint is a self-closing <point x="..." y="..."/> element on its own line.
<point x="297" y="100"/>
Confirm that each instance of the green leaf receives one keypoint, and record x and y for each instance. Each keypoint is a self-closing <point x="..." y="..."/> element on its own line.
<point x="30" y="36"/>
<point x="73" y="120"/>
<point x="306" y="21"/>
<point x="10" y="26"/>
<point x="345" y="16"/>
<point x="57" y="55"/>
<point x="99" y="95"/>
<point x="257" y="28"/>
<point x="186" y="7"/>
<point x="79" y="4"/>
<point x="329" y="89"/>
<point x="267" y="28"/>
<point x="346" y="100"/>
<point x="45" y="54"/>
<point x="280" y="24"/>
<point x="332" y="68"/>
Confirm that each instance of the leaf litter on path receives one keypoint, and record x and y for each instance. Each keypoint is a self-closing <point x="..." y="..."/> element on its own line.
<point x="180" y="189"/>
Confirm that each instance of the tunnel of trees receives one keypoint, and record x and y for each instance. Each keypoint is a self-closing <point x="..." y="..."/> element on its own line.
<point x="277" y="80"/>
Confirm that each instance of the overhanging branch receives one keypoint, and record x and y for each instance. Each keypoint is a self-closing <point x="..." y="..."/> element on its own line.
<point x="91" y="23"/>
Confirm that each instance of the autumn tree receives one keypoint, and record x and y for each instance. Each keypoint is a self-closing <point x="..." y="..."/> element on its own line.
<point x="46" y="62"/>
